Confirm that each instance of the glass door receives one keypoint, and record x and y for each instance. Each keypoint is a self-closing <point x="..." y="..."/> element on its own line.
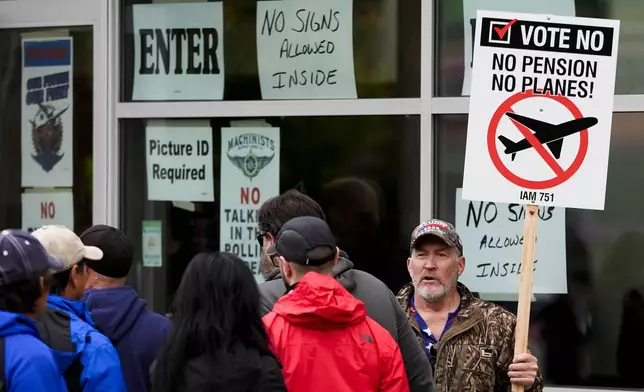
<point x="49" y="99"/>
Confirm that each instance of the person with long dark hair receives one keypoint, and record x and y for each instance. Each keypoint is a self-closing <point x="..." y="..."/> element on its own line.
<point x="218" y="342"/>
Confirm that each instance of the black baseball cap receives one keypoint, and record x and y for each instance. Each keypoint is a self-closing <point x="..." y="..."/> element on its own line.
<point x="305" y="240"/>
<point x="22" y="256"/>
<point x="118" y="251"/>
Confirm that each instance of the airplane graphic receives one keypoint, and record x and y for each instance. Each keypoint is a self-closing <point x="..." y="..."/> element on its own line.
<point x="549" y="134"/>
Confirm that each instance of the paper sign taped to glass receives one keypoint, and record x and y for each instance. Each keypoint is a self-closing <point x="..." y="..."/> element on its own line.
<point x="179" y="51"/>
<point x="47" y="113"/>
<point x="250" y="175"/>
<point x="48" y="207"/>
<point x="179" y="157"/>
<point x="305" y="49"/>
<point x="492" y="235"/>
<point x="152" y="238"/>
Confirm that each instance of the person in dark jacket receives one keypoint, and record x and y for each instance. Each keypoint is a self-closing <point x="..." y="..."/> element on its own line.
<point x="381" y="304"/>
<point x="27" y="363"/>
<point x="86" y="358"/>
<point x="319" y="322"/>
<point x="138" y="333"/>
<point x="218" y="341"/>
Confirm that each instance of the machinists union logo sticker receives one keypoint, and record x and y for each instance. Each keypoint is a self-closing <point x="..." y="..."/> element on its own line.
<point x="251" y="153"/>
<point x="47" y="135"/>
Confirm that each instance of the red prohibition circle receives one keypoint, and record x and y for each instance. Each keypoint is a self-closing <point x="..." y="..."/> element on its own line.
<point x="506" y="106"/>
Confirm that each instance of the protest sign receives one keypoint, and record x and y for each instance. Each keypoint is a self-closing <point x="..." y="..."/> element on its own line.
<point x="179" y="51"/>
<point x="492" y="235"/>
<point x="40" y="208"/>
<point x="47" y="113"/>
<point x="541" y="84"/>
<point x="179" y="160"/>
<point x="305" y="49"/>
<point x="250" y="174"/>
<point x="550" y="7"/>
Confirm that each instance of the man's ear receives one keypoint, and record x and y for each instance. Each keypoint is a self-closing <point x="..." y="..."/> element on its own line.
<point x="461" y="265"/>
<point x="287" y="270"/>
<point x="337" y="256"/>
<point x="75" y="273"/>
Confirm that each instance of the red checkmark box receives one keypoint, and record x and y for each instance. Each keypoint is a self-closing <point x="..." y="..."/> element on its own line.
<point x="503" y="30"/>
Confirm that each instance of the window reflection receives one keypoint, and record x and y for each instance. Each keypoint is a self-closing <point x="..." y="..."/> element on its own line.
<point x="362" y="170"/>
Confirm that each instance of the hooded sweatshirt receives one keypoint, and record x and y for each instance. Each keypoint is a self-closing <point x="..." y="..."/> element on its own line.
<point x="28" y="364"/>
<point x="322" y="336"/>
<point x="381" y="305"/>
<point x="78" y="347"/>
<point x="137" y="333"/>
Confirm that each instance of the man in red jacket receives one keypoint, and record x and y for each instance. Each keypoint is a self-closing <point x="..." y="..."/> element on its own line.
<point x="318" y="324"/>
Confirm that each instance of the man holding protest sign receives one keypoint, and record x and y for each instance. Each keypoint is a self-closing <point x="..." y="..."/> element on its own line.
<point x="539" y="126"/>
<point x="453" y="326"/>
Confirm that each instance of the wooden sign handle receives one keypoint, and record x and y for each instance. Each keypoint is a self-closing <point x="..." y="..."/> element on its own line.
<point x="525" y="289"/>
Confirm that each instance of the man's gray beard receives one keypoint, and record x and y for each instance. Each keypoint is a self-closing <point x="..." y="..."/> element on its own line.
<point x="436" y="296"/>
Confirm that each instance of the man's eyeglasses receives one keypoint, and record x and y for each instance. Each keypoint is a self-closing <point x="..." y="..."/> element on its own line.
<point x="260" y="239"/>
<point x="274" y="258"/>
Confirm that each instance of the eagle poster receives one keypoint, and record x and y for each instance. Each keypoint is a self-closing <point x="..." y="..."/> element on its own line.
<point x="47" y="113"/>
<point x="250" y="174"/>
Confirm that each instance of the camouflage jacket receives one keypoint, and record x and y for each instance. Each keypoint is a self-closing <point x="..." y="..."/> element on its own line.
<point x="474" y="354"/>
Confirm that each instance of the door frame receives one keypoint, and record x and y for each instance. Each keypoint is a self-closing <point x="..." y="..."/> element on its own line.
<point x="68" y="13"/>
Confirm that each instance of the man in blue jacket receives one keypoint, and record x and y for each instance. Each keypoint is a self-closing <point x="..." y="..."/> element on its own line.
<point x="137" y="333"/>
<point x="26" y="363"/>
<point x="86" y="358"/>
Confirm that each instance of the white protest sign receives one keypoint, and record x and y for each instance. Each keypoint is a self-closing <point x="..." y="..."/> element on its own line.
<point x="179" y="51"/>
<point x="492" y="235"/>
<point x="250" y="174"/>
<point x="305" y="49"/>
<point x="179" y="160"/>
<point x="47" y="136"/>
<point x="541" y="110"/>
<point x="551" y="7"/>
<point x="47" y="208"/>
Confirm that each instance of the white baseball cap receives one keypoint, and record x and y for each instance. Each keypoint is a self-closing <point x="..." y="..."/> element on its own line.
<point x="63" y="243"/>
